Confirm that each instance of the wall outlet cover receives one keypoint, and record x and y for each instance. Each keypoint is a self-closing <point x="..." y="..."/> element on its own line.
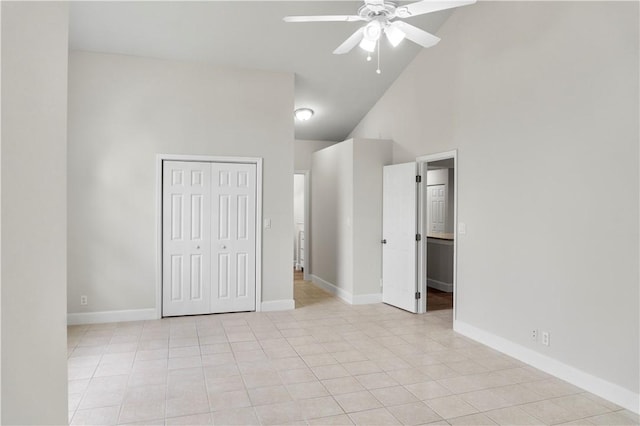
<point x="546" y="336"/>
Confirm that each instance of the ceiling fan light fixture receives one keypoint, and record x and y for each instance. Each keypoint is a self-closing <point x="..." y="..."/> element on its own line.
<point x="303" y="114"/>
<point x="368" y="45"/>
<point x="373" y="30"/>
<point x="394" y="35"/>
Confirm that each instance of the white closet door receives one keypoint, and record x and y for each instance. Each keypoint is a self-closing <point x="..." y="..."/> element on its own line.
<point x="186" y="254"/>
<point x="233" y="249"/>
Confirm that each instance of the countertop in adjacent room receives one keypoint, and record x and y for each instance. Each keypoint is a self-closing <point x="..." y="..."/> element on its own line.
<point x="441" y="235"/>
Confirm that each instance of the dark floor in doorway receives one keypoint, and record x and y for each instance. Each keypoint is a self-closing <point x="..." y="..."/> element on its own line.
<point x="437" y="300"/>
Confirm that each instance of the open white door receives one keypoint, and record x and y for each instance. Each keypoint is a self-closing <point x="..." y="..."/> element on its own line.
<point x="399" y="224"/>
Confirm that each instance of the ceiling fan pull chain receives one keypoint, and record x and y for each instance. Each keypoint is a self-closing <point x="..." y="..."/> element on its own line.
<point x="378" y="70"/>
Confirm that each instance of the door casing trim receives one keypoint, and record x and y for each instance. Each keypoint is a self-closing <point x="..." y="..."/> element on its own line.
<point x="422" y="217"/>
<point x="160" y="159"/>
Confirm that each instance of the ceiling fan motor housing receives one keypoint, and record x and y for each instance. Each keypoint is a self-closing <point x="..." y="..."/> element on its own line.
<point x="373" y="10"/>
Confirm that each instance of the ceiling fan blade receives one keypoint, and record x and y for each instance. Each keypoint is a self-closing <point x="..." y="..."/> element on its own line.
<point x="416" y="35"/>
<point x="321" y="18"/>
<point x="428" y="6"/>
<point x="350" y="43"/>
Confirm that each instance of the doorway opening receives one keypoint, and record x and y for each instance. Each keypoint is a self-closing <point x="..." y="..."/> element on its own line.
<point x="301" y="226"/>
<point x="437" y="218"/>
<point x="304" y="292"/>
<point x="298" y="223"/>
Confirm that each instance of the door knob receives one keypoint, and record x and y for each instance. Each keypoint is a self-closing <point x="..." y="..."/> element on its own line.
<point x="223" y="247"/>
<point x="384" y="241"/>
<point x="198" y="247"/>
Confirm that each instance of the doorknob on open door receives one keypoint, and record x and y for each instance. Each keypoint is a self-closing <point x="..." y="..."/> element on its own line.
<point x="384" y="241"/>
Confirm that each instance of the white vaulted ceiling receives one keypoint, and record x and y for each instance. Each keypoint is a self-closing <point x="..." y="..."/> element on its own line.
<point x="251" y="34"/>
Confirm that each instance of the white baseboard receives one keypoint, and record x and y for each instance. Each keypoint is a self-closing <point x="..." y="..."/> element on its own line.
<point x="331" y="288"/>
<point x="278" y="305"/>
<point x="111" y="316"/>
<point x="358" y="299"/>
<point x="604" y="389"/>
<point x="366" y="299"/>
<point x="440" y="285"/>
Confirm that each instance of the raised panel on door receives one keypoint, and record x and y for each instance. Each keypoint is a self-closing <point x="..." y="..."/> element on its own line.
<point x="399" y="224"/>
<point x="186" y="238"/>
<point x="233" y="251"/>
<point x="436" y="208"/>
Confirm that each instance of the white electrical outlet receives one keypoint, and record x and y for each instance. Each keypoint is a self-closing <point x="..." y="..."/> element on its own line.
<point x="534" y="335"/>
<point x="83" y="300"/>
<point x="546" y="336"/>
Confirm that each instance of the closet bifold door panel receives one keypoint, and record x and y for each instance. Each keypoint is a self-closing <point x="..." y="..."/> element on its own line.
<point x="233" y="250"/>
<point x="208" y="237"/>
<point x="186" y="238"/>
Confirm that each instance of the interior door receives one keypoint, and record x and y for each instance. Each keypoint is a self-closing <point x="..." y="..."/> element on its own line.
<point x="186" y="242"/>
<point x="234" y="237"/>
<point x="399" y="224"/>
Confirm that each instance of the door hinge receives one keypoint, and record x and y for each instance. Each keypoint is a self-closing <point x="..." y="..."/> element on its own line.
<point x="418" y="295"/>
<point x="418" y="179"/>
<point x="418" y="237"/>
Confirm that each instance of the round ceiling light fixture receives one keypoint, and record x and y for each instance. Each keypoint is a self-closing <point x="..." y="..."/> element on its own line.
<point x="303" y="114"/>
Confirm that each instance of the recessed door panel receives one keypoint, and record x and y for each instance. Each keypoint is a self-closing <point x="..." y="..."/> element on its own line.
<point x="243" y="217"/>
<point x="197" y="206"/>
<point x="223" y="275"/>
<point x="176" y="217"/>
<point x="176" y="278"/>
<point x="224" y="217"/>
<point x="196" y="277"/>
<point x="196" y="178"/>
<point x="242" y="274"/>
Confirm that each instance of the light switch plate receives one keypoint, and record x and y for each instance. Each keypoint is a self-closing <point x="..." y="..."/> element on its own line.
<point x="462" y="228"/>
<point x="267" y="224"/>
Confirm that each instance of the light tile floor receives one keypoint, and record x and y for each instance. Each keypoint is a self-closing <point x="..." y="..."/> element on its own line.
<point x="325" y="363"/>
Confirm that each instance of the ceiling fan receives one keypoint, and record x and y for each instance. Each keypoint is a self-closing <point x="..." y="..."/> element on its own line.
<point x="383" y="16"/>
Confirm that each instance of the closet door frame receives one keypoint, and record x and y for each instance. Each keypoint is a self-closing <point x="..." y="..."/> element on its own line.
<point x="160" y="159"/>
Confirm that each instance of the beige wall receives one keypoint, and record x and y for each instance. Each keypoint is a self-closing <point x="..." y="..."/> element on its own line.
<point x="303" y="150"/>
<point x="538" y="98"/>
<point x="331" y="215"/>
<point x="125" y="110"/>
<point x="369" y="158"/>
<point x="346" y="225"/>
<point x="34" y="213"/>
